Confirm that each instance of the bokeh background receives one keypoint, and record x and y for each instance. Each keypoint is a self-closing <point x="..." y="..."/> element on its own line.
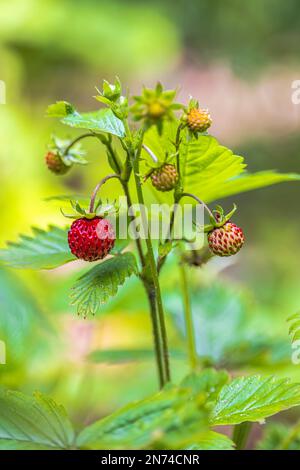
<point x="239" y="59"/>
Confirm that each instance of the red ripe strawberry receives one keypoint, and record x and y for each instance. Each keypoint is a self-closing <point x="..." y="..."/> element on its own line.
<point x="91" y="239"/>
<point x="226" y="240"/>
<point x="55" y="164"/>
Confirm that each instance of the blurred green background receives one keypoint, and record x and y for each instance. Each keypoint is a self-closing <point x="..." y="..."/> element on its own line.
<point x="239" y="59"/>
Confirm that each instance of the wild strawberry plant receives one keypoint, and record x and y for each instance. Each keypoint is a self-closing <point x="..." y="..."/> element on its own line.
<point x="151" y="142"/>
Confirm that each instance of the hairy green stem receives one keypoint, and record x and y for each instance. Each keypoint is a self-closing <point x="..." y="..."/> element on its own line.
<point x="196" y="198"/>
<point x="152" y="266"/>
<point x="149" y="289"/>
<point x="177" y="196"/>
<point x="240" y="434"/>
<point x="188" y="318"/>
<point x="77" y="139"/>
<point x="177" y="145"/>
<point x="156" y="335"/>
<point x="97" y="188"/>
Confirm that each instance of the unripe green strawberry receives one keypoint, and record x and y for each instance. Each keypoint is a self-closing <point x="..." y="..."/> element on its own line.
<point x="198" y="120"/>
<point x="226" y="240"/>
<point x="165" y="177"/>
<point x="55" y="163"/>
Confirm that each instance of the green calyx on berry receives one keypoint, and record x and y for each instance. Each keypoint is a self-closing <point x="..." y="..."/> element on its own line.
<point x="62" y="155"/>
<point x="224" y="237"/>
<point x="154" y="106"/>
<point x="100" y="210"/>
<point x="218" y="219"/>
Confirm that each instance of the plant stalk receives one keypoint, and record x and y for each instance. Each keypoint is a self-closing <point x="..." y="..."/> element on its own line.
<point x="153" y="268"/>
<point x="240" y="434"/>
<point x="190" y="334"/>
<point x="77" y="139"/>
<point x="97" y="188"/>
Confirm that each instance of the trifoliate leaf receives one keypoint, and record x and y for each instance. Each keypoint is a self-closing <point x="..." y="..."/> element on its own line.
<point x="96" y="286"/>
<point x="37" y="422"/>
<point x="46" y="249"/>
<point x="254" y="398"/>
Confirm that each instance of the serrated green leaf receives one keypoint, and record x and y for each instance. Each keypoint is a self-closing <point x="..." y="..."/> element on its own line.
<point x="96" y="286"/>
<point x="206" y="165"/>
<point x="212" y="441"/>
<point x="46" y="249"/>
<point x="248" y="182"/>
<point x="102" y="120"/>
<point x="210" y="170"/>
<point x="20" y="317"/>
<point x="33" y="422"/>
<point x="209" y="381"/>
<point x="254" y="398"/>
<point x="147" y="423"/>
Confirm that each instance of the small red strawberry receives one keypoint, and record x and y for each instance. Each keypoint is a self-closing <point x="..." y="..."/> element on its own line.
<point x="91" y="239"/>
<point x="198" y="120"/>
<point x="55" y="163"/>
<point x="226" y="240"/>
<point x="165" y="177"/>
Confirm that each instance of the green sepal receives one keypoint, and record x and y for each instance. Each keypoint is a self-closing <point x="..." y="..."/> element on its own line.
<point x="59" y="109"/>
<point x="110" y="91"/>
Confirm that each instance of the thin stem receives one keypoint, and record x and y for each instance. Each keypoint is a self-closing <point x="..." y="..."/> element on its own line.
<point x="95" y="192"/>
<point x="77" y="139"/>
<point x="156" y="335"/>
<point x="177" y="144"/>
<point x="199" y="201"/>
<point x="153" y="268"/>
<point x="114" y="156"/>
<point x="149" y="151"/>
<point x="137" y="239"/>
<point x="162" y="259"/>
<point x="177" y="196"/>
<point x="240" y="434"/>
<point x="188" y="318"/>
